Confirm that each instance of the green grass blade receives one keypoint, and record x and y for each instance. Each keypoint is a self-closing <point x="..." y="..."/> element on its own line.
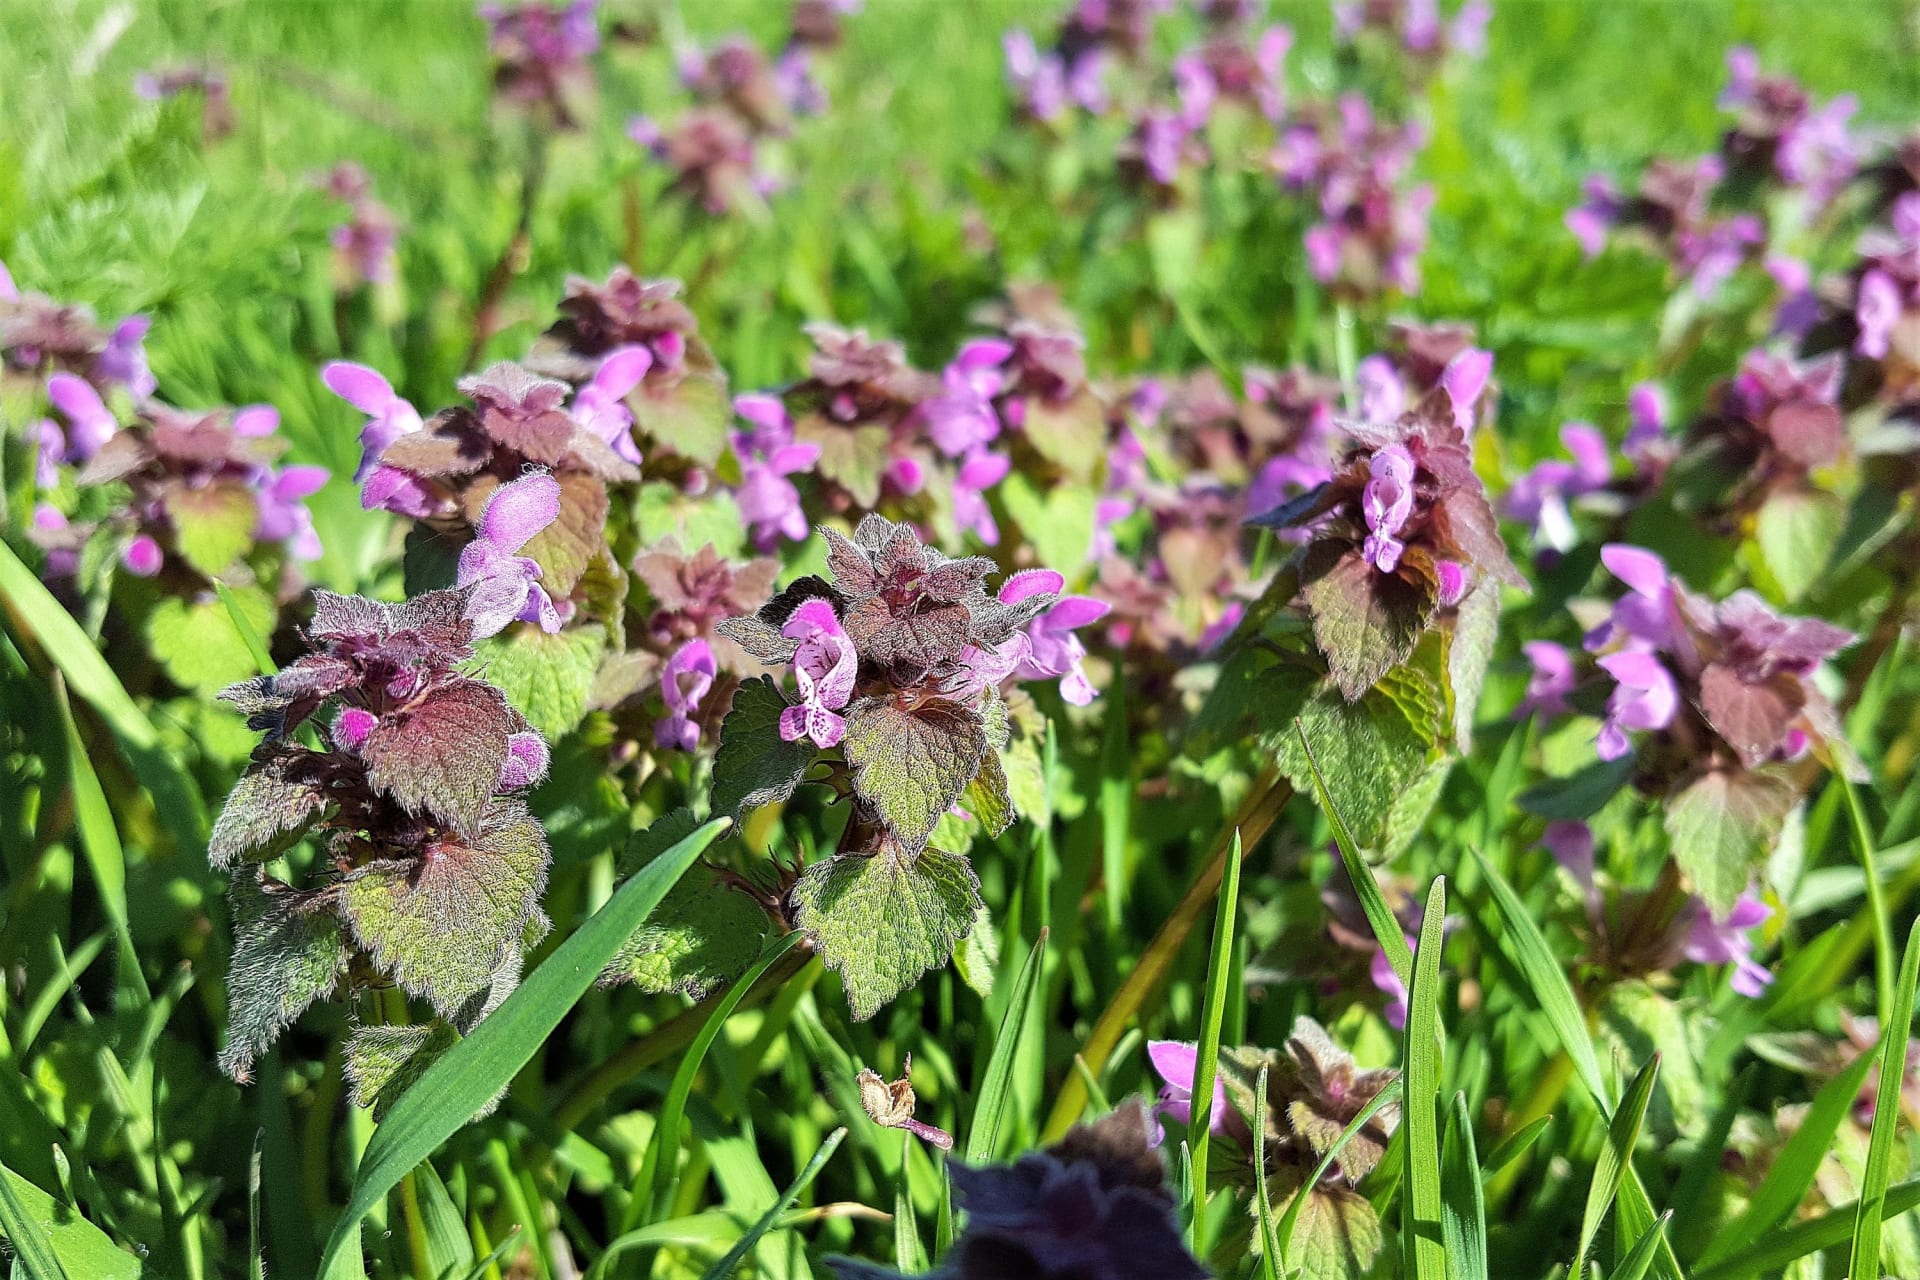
<point x="1865" y="1255"/>
<point x="983" y="1138"/>
<point x="725" y="1267"/>
<point x="1116" y="807"/>
<point x="473" y="1071"/>
<point x="1883" y="960"/>
<point x="1634" y="1266"/>
<point x="1790" y="1244"/>
<point x="1463" y="1204"/>
<point x="1095" y="1094"/>
<point x="1422" y="1243"/>
<point x="1516" y="1144"/>
<point x="32" y="1251"/>
<point x="1381" y="1100"/>
<point x="46" y="1233"/>
<point x="256" y="1257"/>
<point x="248" y="636"/>
<point x="100" y="842"/>
<point x="1263" y="1198"/>
<point x="1794" y="1168"/>
<point x="660" y="1167"/>
<point x="175" y="797"/>
<point x="1548" y="981"/>
<point x="908" y="1255"/>
<point x="1206" y="1063"/>
<point x="1616" y="1156"/>
<point x="1386" y="929"/>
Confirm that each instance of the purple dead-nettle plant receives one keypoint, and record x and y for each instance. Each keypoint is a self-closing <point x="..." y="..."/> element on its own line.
<point x="1717" y="708"/>
<point x="1094" y="1206"/>
<point x="201" y="493"/>
<point x="1645" y="934"/>
<point x="904" y="702"/>
<point x="679" y="407"/>
<point x="363" y="245"/>
<point x="541" y="51"/>
<point x="1415" y="28"/>
<point x="1780" y="133"/>
<point x="206" y="83"/>
<point x="1401" y="532"/>
<point x="1672" y="214"/>
<point x="1373" y="223"/>
<point x="1314" y="1090"/>
<point x="39" y="336"/>
<point x="428" y="868"/>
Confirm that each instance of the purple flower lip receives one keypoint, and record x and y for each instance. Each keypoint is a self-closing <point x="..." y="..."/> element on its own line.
<point x="506" y="585"/>
<point x="684" y="684"/>
<point x="824" y="666"/>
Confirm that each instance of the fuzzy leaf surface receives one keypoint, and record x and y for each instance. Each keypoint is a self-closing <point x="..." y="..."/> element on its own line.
<point x="381" y="1062"/>
<point x="443" y="755"/>
<point x="1723" y="825"/>
<point x="547" y="678"/>
<point x="882" y="921"/>
<point x="270" y="807"/>
<point x="283" y="960"/>
<point x="754" y="765"/>
<point x="912" y="765"/>
<point x="441" y="924"/>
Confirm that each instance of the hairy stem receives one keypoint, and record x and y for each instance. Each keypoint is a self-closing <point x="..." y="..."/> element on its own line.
<point x="1252" y="820"/>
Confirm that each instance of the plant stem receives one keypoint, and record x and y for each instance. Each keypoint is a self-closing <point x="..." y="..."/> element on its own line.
<point x="1255" y="816"/>
<point x="1345" y="359"/>
<point x="513" y="259"/>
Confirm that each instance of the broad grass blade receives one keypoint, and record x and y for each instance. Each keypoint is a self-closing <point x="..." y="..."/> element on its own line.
<point x="725" y="1267"/>
<point x="1422" y="1241"/>
<point x="1616" y="1156"/>
<point x="983" y="1137"/>
<point x="1463" y="1204"/>
<point x="1206" y="1063"/>
<point x="1865" y="1254"/>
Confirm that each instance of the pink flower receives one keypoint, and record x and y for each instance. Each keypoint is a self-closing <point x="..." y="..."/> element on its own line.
<point x="979" y="473"/>
<point x="1464" y="378"/>
<point x="90" y="423"/>
<point x="1380" y="969"/>
<point x="687" y="680"/>
<point x="1053" y="651"/>
<point x="526" y="762"/>
<point x="963" y="417"/>
<point x="1387" y="502"/>
<point x="1644" y="618"/>
<point x="283" y="510"/>
<point x="823" y="670"/>
<point x="1177" y="1064"/>
<point x="1876" y="312"/>
<point x="1552" y="679"/>
<point x="1646" y="697"/>
<point x="388" y="416"/>
<point x="1382" y="397"/>
<point x="768" y="454"/>
<point x="599" y="406"/>
<point x="507" y="585"/>
<point x="1711" y="941"/>
<point x="142" y="556"/>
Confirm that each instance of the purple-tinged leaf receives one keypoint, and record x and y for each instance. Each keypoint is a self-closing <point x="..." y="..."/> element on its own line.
<point x="1754" y="717"/>
<point x="285" y="956"/>
<point x="1365" y="622"/>
<point x="270" y="808"/>
<point x="443" y="754"/>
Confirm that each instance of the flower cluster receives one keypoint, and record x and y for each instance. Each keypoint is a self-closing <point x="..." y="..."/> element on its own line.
<point x="1640" y="934"/>
<point x="1314" y="1091"/>
<point x="903" y="666"/>
<point x="207" y="83"/>
<point x="363" y="245"/>
<point x="1415" y="26"/>
<point x="1073" y="72"/>
<point x="743" y="101"/>
<point x="540" y="51"/>
<point x="1372" y="224"/>
<point x="432" y="868"/>
<point x="39" y="336"/>
<point x="1401" y="531"/>
<point x="202" y="488"/>
<point x="1778" y="138"/>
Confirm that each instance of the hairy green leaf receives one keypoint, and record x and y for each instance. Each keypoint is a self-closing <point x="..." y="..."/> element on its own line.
<point x="884" y="920"/>
<point x="441" y="925"/>
<point x="753" y="766"/>
<point x="545" y="677"/>
<point x="1723" y="825"/>
<point x="381" y="1063"/>
<point x="196" y="642"/>
<point x="269" y="809"/>
<point x="912" y="765"/>
<point x="212" y="525"/>
<point x="284" y="958"/>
